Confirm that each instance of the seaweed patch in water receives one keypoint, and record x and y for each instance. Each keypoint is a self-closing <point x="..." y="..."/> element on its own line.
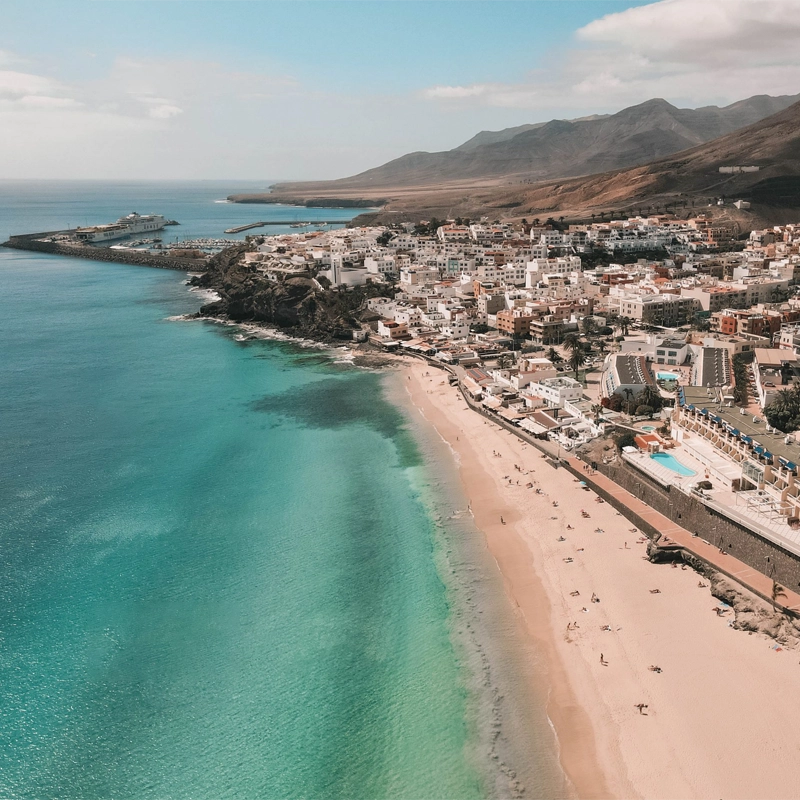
<point x="353" y="399"/>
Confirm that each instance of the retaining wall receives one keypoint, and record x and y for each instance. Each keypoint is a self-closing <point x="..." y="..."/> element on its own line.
<point x="747" y="545"/>
<point x="742" y="543"/>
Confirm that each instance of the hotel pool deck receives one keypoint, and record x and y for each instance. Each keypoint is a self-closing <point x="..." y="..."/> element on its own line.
<point x="670" y="462"/>
<point x="721" y="497"/>
<point x="676" y="467"/>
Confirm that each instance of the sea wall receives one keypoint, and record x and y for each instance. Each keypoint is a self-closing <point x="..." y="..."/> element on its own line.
<point x="748" y="546"/>
<point x="744" y="544"/>
<point x="32" y="241"/>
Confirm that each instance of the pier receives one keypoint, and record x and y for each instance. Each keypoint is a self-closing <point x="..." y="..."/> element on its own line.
<point x="287" y="224"/>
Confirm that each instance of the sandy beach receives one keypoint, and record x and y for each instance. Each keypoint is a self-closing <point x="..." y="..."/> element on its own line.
<point x="722" y="717"/>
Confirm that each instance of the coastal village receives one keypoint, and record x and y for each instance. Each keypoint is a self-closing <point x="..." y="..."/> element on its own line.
<point x="677" y="339"/>
<point x="401" y="401"/>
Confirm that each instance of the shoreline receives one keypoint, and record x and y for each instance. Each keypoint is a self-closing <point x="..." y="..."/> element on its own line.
<point x="511" y="738"/>
<point x="710" y="727"/>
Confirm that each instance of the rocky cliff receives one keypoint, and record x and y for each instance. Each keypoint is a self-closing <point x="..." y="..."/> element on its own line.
<point x="299" y="306"/>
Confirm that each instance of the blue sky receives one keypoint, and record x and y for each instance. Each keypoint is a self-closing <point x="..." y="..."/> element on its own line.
<point x="384" y="45"/>
<point x="203" y="89"/>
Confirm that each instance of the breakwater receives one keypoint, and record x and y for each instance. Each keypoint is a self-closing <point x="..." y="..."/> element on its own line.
<point x="296" y="224"/>
<point x="35" y="242"/>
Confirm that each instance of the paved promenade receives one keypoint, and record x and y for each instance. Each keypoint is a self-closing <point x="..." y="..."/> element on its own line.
<point x="749" y="578"/>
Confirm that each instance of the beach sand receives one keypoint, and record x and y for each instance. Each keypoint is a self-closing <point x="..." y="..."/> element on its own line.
<point x="722" y="718"/>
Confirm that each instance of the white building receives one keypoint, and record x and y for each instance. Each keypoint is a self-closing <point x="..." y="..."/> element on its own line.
<point x="555" y="392"/>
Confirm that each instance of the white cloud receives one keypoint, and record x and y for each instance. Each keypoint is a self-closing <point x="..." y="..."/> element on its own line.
<point x="145" y="117"/>
<point x="687" y="51"/>
<point x="164" y="111"/>
<point x="476" y="90"/>
<point x="21" y="83"/>
<point x="43" y="101"/>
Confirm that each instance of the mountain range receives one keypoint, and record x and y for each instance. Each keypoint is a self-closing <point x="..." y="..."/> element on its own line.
<point x="626" y="152"/>
<point x="567" y="148"/>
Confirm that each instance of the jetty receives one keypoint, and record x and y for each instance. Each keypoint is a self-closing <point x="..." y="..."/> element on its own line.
<point x="286" y="223"/>
<point x="57" y="243"/>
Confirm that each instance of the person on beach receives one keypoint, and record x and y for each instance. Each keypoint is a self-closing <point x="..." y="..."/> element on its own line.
<point x="641" y="707"/>
<point x="502" y="521"/>
<point x="603" y="661"/>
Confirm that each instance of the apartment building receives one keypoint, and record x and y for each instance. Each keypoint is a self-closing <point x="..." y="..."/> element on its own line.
<point x="625" y="375"/>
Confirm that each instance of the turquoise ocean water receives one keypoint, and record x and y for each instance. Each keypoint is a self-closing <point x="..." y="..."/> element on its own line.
<point x="223" y="565"/>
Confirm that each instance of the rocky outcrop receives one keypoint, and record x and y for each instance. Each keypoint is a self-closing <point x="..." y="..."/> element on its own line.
<point x="749" y="612"/>
<point x="299" y="306"/>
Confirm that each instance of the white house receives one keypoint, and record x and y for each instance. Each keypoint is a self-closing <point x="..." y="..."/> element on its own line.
<point x="555" y="392"/>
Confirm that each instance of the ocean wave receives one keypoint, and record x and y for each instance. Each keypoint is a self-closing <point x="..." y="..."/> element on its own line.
<point x="209" y="295"/>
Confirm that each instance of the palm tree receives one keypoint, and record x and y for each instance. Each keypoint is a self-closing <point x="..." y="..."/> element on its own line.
<point x="623" y="323"/>
<point x="572" y="342"/>
<point x="597" y="410"/>
<point x="777" y="592"/>
<point x="577" y="358"/>
<point x="554" y="356"/>
<point x="601" y="346"/>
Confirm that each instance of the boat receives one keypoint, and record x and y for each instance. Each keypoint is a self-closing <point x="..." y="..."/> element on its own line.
<point x="125" y="226"/>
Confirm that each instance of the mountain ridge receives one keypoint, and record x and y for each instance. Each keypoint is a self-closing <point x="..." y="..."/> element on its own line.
<point x="633" y="136"/>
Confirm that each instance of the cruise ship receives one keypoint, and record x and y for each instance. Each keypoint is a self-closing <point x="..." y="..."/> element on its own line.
<point x="125" y="226"/>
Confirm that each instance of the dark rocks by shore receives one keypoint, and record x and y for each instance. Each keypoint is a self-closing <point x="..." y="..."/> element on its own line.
<point x="298" y="306"/>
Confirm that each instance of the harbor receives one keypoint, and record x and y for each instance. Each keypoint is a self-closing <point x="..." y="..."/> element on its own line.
<point x="56" y="243"/>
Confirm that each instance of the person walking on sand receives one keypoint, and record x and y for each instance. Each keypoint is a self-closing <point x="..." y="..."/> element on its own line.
<point x="603" y="661"/>
<point x="641" y="707"/>
<point x="502" y="521"/>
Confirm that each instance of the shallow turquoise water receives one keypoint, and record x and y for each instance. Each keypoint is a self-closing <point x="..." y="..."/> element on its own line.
<point x="217" y="566"/>
<point x="231" y="569"/>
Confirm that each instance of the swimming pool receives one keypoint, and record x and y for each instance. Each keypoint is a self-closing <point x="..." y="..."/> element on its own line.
<point x="667" y="376"/>
<point x="648" y="428"/>
<point x="670" y="462"/>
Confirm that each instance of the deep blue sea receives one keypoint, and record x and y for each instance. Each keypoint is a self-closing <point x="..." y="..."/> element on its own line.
<point x="225" y="569"/>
